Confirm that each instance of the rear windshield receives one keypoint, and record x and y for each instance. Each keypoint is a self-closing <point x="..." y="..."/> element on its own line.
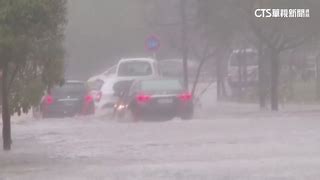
<point x="161" y="85"/>
<point x="135" y="68"/>
<point x="69" y="88"/>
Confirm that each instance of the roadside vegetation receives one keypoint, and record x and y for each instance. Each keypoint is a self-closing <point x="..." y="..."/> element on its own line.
<point x="31" y="54"/>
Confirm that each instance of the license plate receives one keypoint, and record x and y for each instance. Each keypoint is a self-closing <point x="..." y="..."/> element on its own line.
<point x="165" y="101"/>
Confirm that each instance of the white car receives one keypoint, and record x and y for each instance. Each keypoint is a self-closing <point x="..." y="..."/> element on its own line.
<point x="110" y="72"/>
<point x="95" y="84"/>
<point x="126" y="69"/>
<point x="107" y="98"/>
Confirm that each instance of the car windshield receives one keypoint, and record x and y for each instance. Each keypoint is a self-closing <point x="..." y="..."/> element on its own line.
<point x="135" y="68"/>
<point x="161" y="85"/>
<point x="69" y="89"/>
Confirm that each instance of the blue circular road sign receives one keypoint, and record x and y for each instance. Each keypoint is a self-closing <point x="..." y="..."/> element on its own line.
<point x="153" y="43"/>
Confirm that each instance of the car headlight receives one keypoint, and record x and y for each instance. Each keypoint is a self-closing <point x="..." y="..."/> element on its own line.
<point x="121" y="107"/>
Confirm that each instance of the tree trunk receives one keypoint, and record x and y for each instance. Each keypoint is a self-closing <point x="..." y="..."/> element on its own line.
<point x="291" y="80"/>
<point x="6" y="128"/>
<point x="184" y="36"/>
<point x="262" y="84"/>
<point x="219" y="79"/>
<point x="275" y="80"/>
<point x="223" y="88"/>
<point x="240" y="77"/>
<point x="218" y="90"/>
<point x="194" y="88"/>
<point x="318" y="77"/>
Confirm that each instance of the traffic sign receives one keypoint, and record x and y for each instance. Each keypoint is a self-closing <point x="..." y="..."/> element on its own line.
<point x="153" y="43"/>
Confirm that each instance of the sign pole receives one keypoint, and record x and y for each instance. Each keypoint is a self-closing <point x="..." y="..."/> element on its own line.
<point x="153" y="45"/>
<point x="155" y="55"/>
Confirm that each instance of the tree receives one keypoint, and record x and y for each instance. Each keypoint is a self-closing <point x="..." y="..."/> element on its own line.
<point x="31" y="35"/>
<point x="217" y="33"/>
<point x="195" y="28"/>
<point x="276" y="36"/>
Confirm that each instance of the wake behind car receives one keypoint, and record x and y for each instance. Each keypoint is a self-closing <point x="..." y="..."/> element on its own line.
<point x="70" y="99"/>
<point x="154" y="99"/>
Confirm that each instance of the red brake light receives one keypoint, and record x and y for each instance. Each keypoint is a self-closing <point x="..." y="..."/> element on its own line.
<point x="185" y="97"/>
<point x="49" y="100"/>
<point x="89" y="99"/>
<point x="143" y="98"/>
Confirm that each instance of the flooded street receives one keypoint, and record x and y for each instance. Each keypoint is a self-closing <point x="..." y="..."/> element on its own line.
<point x="257" y="146"/>
<point x="233" y="88"/>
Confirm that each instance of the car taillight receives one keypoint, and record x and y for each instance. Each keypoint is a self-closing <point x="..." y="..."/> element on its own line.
<point x="49" y="100"/>
<point x="142" y="98"/>
<point x="89" y="99"/>
<point x="185" y="97"/>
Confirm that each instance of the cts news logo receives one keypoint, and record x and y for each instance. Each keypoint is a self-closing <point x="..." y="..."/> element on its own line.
<point x="282" y="13"/>
<point x="266" y="13"/>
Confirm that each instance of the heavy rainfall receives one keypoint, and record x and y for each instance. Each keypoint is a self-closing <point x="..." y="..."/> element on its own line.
<point x="160" y="89"/>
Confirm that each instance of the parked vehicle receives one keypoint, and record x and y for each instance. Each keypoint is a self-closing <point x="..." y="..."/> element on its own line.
<point x="154" y="99"/>
<point x="126" y="69"/>
<point x="70" y="99"/>
<point x="242" y="70"/>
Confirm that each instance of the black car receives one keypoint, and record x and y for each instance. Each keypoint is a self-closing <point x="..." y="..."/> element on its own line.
<point x="154" y="99"/>
<point x="70" y="99"/>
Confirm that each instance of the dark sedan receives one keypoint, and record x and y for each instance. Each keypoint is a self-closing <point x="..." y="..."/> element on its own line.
<point x="155" y="99"/>
<point x="72" y="98"/>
